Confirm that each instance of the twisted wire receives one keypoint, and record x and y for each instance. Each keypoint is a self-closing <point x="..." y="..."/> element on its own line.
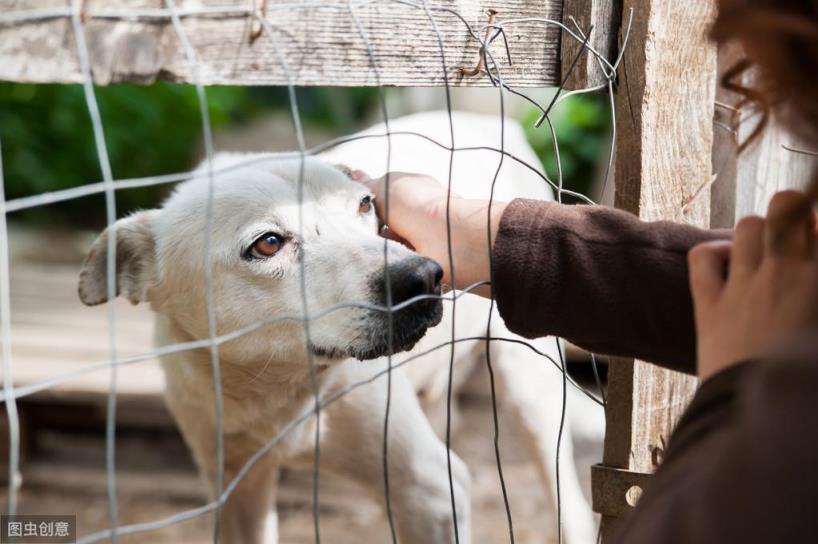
<point x="109" y="185"/>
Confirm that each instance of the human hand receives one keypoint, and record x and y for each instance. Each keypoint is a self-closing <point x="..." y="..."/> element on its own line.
<point x="417" y="216"/>
<point x="758" y="291"/>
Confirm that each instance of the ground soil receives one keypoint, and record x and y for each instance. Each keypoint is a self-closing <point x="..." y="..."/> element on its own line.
<point x="65" y="475"/>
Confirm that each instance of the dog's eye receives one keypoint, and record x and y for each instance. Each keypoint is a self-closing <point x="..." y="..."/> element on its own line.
<point x="366" y="205"/>
<point x="266" y="246"/>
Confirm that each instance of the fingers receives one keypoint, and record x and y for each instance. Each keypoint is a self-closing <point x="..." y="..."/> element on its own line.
<point x="359" y="175"/>
<point x="378" y="185"/>
<point x="378" y="188"/>
<point x="748" y="246"/>
<point x="790" y="228"/>
<point x="390" y="234"/>
<point x="374" y="184"/>
<point x="707" y="264"/>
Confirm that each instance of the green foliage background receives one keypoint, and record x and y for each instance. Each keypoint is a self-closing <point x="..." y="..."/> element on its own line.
<point x="47" y="140"/>
<point x="581" y="123"/>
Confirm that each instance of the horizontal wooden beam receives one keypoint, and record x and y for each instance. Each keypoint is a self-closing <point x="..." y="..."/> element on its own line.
<point x="135" y="41"/>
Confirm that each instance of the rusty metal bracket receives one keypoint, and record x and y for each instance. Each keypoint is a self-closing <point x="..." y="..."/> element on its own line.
<point x="614" y="491"/>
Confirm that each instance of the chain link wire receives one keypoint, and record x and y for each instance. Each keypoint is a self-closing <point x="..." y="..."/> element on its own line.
<point x="109" y="185"/>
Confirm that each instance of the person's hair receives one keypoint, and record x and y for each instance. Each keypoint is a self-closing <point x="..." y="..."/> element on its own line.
<point x="780" y="38"/>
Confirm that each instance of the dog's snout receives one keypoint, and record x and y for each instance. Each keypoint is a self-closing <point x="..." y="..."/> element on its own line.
<point x="409" y="278"/>
<point x="419" y="276"/>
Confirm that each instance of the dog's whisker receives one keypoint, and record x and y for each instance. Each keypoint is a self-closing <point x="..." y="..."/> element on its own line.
<point x="264" y="368"/>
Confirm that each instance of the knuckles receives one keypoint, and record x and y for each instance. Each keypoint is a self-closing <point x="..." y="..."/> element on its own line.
<point x="784" y="200"/>
<point x="750" y="224"/>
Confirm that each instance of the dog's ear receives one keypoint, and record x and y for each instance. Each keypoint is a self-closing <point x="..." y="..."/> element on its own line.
<point x="135" y="261"/>
<point x="347" y="171"/>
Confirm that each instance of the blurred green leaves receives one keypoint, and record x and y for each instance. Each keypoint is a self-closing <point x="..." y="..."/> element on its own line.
<point x="582" y="123"/>
<point x="48" y="144"/>
<point x="47" y="138"/>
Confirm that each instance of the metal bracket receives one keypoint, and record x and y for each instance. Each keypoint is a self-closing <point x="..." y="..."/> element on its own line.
<point x="614" y="491"/>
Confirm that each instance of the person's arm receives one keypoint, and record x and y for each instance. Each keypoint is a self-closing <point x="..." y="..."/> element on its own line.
<point x="739" y="466"/>
<point x="596" y="276"/>
<point x="599" y="277"/>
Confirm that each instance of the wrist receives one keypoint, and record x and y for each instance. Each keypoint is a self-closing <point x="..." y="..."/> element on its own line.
<point x="475" y="225"/>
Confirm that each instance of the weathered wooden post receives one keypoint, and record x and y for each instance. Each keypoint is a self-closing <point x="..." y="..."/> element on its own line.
<point x="665" y="100"/>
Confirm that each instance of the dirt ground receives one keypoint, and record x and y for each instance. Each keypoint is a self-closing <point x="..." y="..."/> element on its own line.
<point x="156" y="479"/>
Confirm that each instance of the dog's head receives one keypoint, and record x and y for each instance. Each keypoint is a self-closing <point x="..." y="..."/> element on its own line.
<point x="259" y="242"/>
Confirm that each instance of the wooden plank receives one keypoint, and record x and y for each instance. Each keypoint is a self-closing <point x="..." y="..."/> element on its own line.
<point x="319" y="40"/>
<point x="766" y="167"/>
<point x="663" y="171"/>
<point x="55" y="334"/>
<point x="603" y="18"/>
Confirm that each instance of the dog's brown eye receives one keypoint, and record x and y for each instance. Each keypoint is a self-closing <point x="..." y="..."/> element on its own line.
<point x="366" y="205"/>
<point x="266" y="246"/>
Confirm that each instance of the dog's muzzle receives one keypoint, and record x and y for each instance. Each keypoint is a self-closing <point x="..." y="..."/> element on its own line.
<point x="414" y="285"/>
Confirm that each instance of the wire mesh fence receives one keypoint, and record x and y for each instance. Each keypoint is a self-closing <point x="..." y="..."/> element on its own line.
<point x="262" y="14"/>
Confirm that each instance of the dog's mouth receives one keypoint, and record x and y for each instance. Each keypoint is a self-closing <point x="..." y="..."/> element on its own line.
<point x="409" y="325"/>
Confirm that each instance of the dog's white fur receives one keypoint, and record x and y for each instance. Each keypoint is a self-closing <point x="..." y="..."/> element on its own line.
<point x="265" y="374"/>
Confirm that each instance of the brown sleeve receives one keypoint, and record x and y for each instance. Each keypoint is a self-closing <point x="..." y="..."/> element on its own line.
<point x="740" y="466"/>
<point x="598" y="277"/>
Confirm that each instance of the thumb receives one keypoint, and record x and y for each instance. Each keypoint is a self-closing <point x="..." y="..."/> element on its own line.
<point x="360" y="176"/>
<point x="707" y="264"/>
<point x="378" y="188"/>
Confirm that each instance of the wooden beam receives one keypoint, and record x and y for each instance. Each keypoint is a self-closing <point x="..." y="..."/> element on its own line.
<point x="134" y="41"/>
<point x="663" y="171"/>
<point x="766" y="167"/>
<point x="603" y="18"/>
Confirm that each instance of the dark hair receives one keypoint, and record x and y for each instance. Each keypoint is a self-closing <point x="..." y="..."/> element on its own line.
<point x="780" y="39"/>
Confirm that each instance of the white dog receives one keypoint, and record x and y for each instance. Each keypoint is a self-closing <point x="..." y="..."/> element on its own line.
<point x="261" y="239"/>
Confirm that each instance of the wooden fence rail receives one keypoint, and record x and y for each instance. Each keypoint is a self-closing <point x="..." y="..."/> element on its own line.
<point x="134" y="41"/>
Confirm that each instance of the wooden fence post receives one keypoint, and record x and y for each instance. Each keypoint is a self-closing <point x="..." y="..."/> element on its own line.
<point x="663" y="171"/>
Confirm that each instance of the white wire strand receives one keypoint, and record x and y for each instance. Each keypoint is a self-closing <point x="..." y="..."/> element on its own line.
<point x="109" y="185"/>
<point x="5" y="337"/>
<point x="94" y="188"/>
<point x="452" y="277"/>
<point x="62" y="195"/>
<point x="33" y="388"/>
<point x="302" y="153"/>
<point x="390" y="517"/>
<point x="212" y="326"/>
<point x="490" y="248"/>
<point x="110" y="217"/>
<point x="283" y="432"/>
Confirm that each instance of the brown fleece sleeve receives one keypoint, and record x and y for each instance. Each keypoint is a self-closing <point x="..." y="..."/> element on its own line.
<point x="599" y="277"/>
<point x="740" y="466"/>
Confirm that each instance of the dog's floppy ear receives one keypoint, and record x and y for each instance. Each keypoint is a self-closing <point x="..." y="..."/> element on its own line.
<point x="347" y="171"/>
<point x="135" y="261"/>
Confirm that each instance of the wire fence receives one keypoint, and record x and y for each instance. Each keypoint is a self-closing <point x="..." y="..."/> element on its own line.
<point x="261" y="15"/>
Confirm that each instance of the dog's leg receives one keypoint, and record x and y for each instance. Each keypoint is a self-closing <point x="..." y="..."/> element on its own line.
<point x="249" y="515"/>
<point x="532" y="389"/>
<point x="418" y="477"/>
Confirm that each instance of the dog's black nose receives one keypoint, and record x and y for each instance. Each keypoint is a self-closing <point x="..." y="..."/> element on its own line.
<point x="414" y="277"/>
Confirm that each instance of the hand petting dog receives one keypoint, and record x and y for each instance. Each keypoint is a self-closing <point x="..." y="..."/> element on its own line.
<point x="418" y="216"/>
